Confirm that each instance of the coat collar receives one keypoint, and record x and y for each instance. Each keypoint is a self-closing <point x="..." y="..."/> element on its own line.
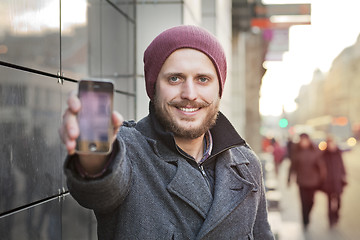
<point x="188" y="184"/>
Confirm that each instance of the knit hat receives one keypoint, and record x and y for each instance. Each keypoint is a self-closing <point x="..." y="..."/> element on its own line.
<point x="184" y="36"/>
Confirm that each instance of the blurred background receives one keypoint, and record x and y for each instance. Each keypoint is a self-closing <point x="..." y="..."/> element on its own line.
<point x="293" y="68"/>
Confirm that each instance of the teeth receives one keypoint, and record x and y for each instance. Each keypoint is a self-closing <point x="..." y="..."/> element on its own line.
<point x="189" y="109"/>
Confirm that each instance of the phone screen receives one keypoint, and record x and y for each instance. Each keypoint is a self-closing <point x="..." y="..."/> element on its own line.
<point x="95" y="116"/>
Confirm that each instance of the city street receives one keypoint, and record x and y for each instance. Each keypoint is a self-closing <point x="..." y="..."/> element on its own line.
<point x="286" y="221"/>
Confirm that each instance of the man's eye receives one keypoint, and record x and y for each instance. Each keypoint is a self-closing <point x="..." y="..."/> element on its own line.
<point x="203" y="79"/>
<point x="173" y="79"/>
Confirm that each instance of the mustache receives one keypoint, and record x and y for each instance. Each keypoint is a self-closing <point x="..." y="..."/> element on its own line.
<point x="189" y="103"/>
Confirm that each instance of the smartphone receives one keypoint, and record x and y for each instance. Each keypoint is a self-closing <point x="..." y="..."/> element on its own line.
<point x="94" y="117"/>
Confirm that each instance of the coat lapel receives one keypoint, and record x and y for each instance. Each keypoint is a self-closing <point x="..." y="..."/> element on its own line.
<point x="233" y="184"/>
<point x="189" y="185"/>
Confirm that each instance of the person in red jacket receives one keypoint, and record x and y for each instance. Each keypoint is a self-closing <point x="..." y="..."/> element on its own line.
<point x="278" y="152"/>
<point x="335" y="179"/>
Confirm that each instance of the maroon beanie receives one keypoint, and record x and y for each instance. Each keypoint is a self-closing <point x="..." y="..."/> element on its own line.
<point x="184" y="36"/>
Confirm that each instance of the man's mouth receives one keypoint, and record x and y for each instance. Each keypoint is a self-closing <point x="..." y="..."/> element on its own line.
<point x="189" y="110"/>
<point x="188" y="106"/>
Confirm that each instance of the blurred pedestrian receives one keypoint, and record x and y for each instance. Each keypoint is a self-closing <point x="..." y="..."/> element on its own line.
<point x="335" y="179"/>
<point x="309" y="169"/>
<point x="278" y="154"/>
<point x="289" y="147"/>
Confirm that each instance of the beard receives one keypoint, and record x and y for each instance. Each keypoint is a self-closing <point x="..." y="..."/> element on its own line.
<point x="169" y="122"/>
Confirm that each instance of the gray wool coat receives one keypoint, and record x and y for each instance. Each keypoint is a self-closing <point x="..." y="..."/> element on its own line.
<point x="151" y="191"/>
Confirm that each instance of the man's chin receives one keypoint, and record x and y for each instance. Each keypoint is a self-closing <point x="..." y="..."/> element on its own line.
<point x="188" y="134"/>
<point x="186" y="127"/>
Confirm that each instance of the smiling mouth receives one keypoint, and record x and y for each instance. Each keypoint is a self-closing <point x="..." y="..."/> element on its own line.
<point x="188" y="106"/>
<point x="189" y="110"/>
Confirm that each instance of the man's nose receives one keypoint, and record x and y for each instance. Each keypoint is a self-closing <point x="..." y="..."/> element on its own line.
<point x="188" y="90"/>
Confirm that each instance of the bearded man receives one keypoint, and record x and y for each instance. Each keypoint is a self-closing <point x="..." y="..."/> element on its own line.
<point x="182" y="172"/>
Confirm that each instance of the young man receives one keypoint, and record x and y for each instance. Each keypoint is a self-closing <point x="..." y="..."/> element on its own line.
<point x="182" y="172"/>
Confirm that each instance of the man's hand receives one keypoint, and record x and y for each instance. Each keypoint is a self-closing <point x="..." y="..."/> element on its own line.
<point x="69" y="132"/>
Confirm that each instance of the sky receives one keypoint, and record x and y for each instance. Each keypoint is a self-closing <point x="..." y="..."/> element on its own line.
<point x="334" y="26"/>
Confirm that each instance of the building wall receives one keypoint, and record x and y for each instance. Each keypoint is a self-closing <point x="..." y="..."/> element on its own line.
<point x="223" y="31"/>
<point x="40" y="40"/>
<point x="238" y="85"/>
<point x="333" y="93"/>
<point x="254" y="73"/>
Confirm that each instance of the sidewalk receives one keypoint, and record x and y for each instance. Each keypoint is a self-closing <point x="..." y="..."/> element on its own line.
<point x="285" y="209"/>
<point x="289" y="224"/>
<point x="283" y="202"/>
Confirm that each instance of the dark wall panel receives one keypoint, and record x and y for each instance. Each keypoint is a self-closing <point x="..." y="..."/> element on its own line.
<point x="42" y="221"/>
<point x="126" y="7"/>
<point x="77" y="222"/>
<point x="30" y="34"/>
<point x="101" y="46"/>
<point x="38" y="40"/>
<point x="30" y="166"/>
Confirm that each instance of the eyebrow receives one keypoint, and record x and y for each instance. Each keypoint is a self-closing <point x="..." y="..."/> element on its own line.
<point x="212" y="76"/>
<point x="168" y="74"/>
<point x="174" y="74"/>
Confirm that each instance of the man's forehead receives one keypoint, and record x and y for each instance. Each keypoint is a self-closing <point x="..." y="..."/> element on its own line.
<point x="188" y="51"/>
<point x="193" y="55"/>
<point x="188" y="60"/>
